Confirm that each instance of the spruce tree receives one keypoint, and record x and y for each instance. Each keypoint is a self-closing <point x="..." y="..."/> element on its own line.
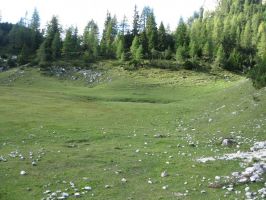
<point x="152" y="32"/>
<point x="56" y="46"/>
<point x="136" y="22"/>
<point x="134" y="48"/>
<point x="162" y="42"/>
<point x="120" y="48"/>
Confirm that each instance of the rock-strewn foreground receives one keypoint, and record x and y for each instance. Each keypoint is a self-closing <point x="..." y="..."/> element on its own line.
<point x="107" y="133"/>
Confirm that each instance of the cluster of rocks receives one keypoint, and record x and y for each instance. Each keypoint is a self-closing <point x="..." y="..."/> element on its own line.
<point x="253" y="172"/>
<point x="34" y="157"/>
<point x="76" y="73"/>
<point x="73" y="191"/>
<point x="13" y="77"/>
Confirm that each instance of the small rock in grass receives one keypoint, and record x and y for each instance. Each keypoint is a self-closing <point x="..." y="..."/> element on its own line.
<point x="107" y="186"/>
<point x="202" y="191"/>
<point x="164" y="174"/>
<point x="23" y="173"/>
<point x="47" y="192"/>
<point x="178" y="194"/>
<point x="64" y="194"/>
<point x="123" y="180"/>
<point x="165" y="187"/>
<point x="34" y="163"/>
<point x="228" y="142"/>
<point x="88" y="188"/>
<point x="159" y="136"/>
<point x="77" y="194"/>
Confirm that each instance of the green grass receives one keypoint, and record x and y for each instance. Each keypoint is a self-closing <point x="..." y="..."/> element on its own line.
<point x="94" y="131"/>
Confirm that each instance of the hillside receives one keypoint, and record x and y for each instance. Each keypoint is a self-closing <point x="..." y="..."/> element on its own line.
<point x="126" y="134"/>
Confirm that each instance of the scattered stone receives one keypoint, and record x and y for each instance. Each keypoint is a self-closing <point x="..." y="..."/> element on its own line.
<point x="47" y="192"/>
<point x="123" y="180"/>
<point x="258" y="146"/>
<point x="204" y="160"/>
<point x="164" y="174"/>
<point x="3" y="159"/>
<point x="165" y="187"/>
<point x="107" y="186"/>
<point x="34" y="163"/>
<point x="87" y="188"/>
<point x="159" y="135"/>
<point x="77" y="194"/>
<point x="215" y="185"/>
<point x="217" y="178"/>
<point x="228" y="142"/>
<point x="23" y="173"/>
<point x="178" y="194"/>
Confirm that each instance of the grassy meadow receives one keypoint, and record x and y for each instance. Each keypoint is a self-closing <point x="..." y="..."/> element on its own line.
<point x="132" y="125"/>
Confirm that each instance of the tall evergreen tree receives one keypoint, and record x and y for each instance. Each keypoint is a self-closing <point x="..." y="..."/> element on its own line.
<point x="71" y="43"/>
<point x="134" y="48"/>
<point x="146" y="12"/>
<point x="56" y="46"/>
<point x="136" y="23"/>
<point x="152" y="32"/>
<point x="123" y="28"/>
<point x="108" y="37"/>
<point x="181" y="34"/>
<point x="36" y="36"/>
<point x="91" y="39"/>
<point x="162" y="42"/>
<point x="51" y="46"/>
<point x="120" y="48"/>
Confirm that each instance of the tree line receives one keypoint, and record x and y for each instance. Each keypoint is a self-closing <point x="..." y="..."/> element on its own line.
<point x="233" y="37"/>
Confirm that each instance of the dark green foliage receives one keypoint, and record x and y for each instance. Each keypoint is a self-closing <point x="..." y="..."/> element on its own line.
<point x="71" y="44"/>
<point x="120" y="48"/>
<point x="220" y="59"/>
<point x="152" y="32"/>
<point x="258" y="74"/>
<point x="50" y="49"/>
<point x="56" y="46"/>
<point x="23" y="56"/>
<point x="144" y="42"/>
<point x="181" y="34"/>
<point x="232" y="37"/>
<point x="5" y="28"/>
<point x="110" y="30"/>
<point x="162" y="42"/>
<point x="91" y="40"/>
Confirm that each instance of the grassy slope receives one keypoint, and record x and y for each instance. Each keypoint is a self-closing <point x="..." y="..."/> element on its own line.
<point x="94" y="131"/>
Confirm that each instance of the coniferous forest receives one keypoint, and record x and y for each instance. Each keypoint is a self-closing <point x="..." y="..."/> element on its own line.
<point x="232" y="37"/>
